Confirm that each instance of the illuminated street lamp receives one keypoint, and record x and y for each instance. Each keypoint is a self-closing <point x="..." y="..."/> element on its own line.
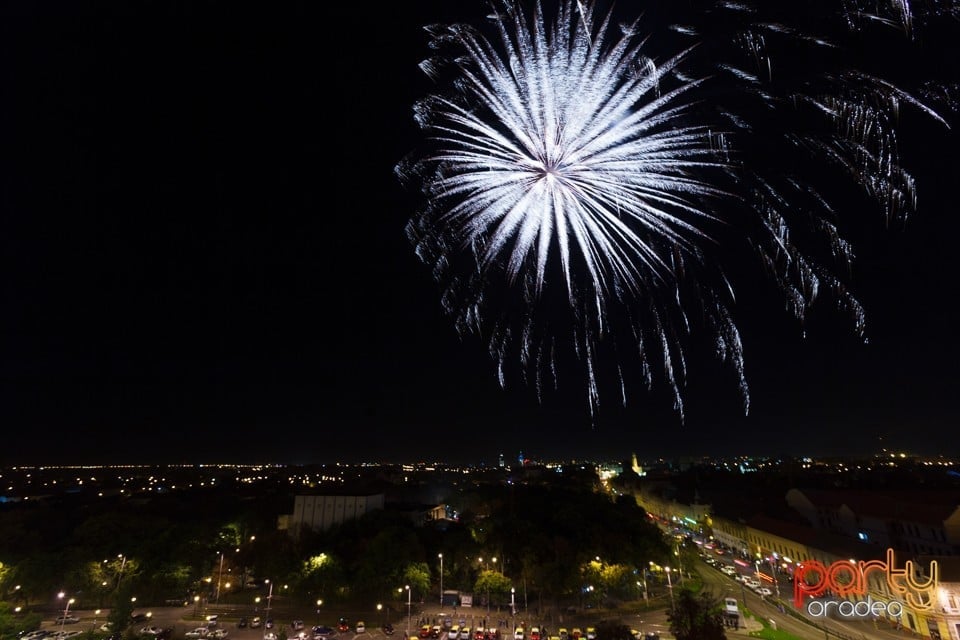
<point x="379" y="613"/>
<point x="319" y="604"/>
<point x="409" y="594"/>
<point x="66" y="610"/>
<point x="123" y="563"/>
<point x="267" y="614"/>
<point x="440" y="555"/>
<point x="219" y="578"/>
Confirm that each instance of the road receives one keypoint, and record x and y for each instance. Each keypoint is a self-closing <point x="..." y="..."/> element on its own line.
<point x="831" y="629"/>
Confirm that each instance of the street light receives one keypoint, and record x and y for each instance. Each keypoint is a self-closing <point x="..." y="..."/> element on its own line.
<point x="66" y="610"/>
<point x="319" y="604"/>
<point x="123" y="563"/>
<point x="440" y="555"/>
<point x="379" y="614"/>
<point x="266" y="616"/>
<point x="219" y="578"/>
<point x="670" y="586"/>
<point x="409" y="593"/>
<point x="513" y="605"/>
<point x="776" y="580"/>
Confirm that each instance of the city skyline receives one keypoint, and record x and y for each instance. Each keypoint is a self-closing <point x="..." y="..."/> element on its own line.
<point x="205" y="259"/>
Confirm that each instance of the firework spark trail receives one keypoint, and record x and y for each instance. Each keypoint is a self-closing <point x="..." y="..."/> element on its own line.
<point x="578" y="204"/>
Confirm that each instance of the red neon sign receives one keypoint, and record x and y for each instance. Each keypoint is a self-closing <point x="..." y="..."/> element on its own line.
<point x="846" y="578"/>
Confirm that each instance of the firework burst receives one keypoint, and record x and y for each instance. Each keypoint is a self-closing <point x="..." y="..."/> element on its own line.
<point x="585" y="199"/>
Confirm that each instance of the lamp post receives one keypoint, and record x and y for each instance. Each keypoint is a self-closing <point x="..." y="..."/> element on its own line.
<point x="123" y="563"/>
<point x="409" y="594"/>
<point x="513" y="604"/>
<point x="66" y="610"/>
<point x="670" y="587"/>
<point x="440" y="555"/>
<point x="379" y="614"/>
<point x="319" y="604"/>
<point x="219" y="578"/>
<point x="776" y="581"/>
<point x="266" y="616"/>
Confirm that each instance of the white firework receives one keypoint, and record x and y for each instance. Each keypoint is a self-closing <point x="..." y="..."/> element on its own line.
<point x="580" y="197"/>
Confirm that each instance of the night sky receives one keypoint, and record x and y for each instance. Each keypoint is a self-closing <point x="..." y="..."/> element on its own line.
<point x="204" y="260"/>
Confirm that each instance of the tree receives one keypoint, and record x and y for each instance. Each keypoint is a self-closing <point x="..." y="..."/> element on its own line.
<point x="11" y="623"/>
<point x="121" y="611"/>
<point x="696" y="617"/>
<point x="493" y="585"/>
<point x="417" y="575"/>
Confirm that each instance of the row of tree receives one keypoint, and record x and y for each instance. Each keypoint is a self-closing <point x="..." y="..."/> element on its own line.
<point x="554" y="541"/>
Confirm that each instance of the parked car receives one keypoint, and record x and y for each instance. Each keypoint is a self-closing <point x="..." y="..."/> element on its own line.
<point x="387" y="629"/>
<point x="268" y="623"/>
<point x="68" y="619"/>
<point x="37" y="634"/>
<point x="322" y="632"/>
<point x="199" y="632"/>
<point x="256" y="623"/>
<point x="518" y="633"/>
<point x="361" y="627"/>
<point x="296" y="625"/>
<point x="242" y="623"/>
<point x="218" y="634"/>
<point x="343" y="624"/>
<point x="151" y="631"/>
<point x="764" y="591"/>
<point x="269" y="635"/>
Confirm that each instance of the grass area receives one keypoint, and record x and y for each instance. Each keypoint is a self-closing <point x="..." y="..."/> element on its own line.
<point x="769" y="633"/>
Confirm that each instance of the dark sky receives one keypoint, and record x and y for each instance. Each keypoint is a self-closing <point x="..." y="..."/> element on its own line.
<point x="204" y="260"/>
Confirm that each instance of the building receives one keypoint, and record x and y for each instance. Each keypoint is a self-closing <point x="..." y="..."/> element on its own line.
<point x="320" y="512"/>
